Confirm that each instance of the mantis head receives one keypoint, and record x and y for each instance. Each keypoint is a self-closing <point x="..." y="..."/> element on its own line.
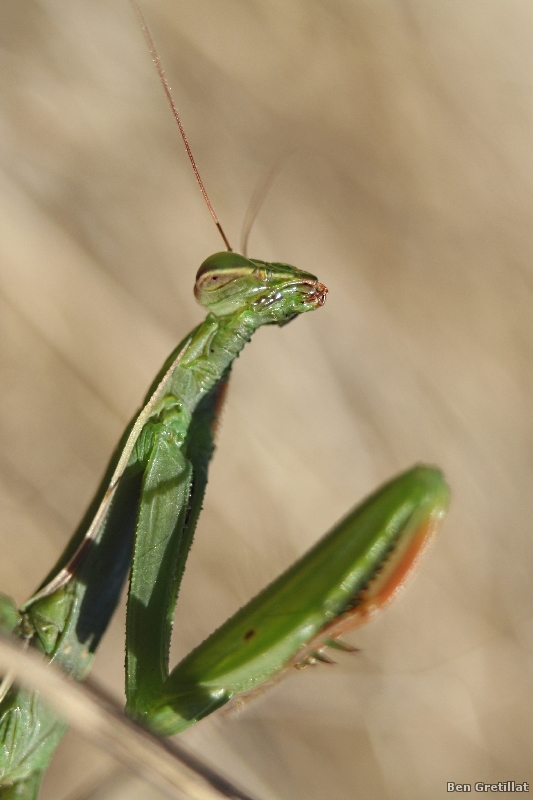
<point x="228" y="283"/>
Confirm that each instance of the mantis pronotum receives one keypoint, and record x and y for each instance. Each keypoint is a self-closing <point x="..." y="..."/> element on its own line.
<point x="279" y="288"/>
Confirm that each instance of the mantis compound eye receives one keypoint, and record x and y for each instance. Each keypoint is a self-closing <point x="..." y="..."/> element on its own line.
<point x="215" y="280"/>
<point x="218" y="271"/>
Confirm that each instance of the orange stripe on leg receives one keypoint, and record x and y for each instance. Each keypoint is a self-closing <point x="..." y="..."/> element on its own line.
<point x="387" y="583"/>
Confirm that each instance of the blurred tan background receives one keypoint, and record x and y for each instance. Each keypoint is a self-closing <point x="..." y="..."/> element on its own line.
<point x="408" y="188"/>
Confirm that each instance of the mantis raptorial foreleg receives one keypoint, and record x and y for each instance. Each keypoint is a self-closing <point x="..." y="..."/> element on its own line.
<point x="340" y="584"/>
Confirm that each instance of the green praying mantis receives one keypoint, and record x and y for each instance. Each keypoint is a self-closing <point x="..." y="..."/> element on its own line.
<point x="144" y="516"/>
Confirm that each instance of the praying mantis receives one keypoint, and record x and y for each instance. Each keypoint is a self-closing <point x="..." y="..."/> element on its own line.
<point x="149" y="501"/>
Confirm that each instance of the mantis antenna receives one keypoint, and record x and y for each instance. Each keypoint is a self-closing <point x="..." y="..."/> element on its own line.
<point x="257" y="200"/>
<point x="157" y="62"/>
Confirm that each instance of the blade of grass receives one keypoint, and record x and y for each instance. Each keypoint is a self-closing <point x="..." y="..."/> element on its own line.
<point x="98" y="717"/>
